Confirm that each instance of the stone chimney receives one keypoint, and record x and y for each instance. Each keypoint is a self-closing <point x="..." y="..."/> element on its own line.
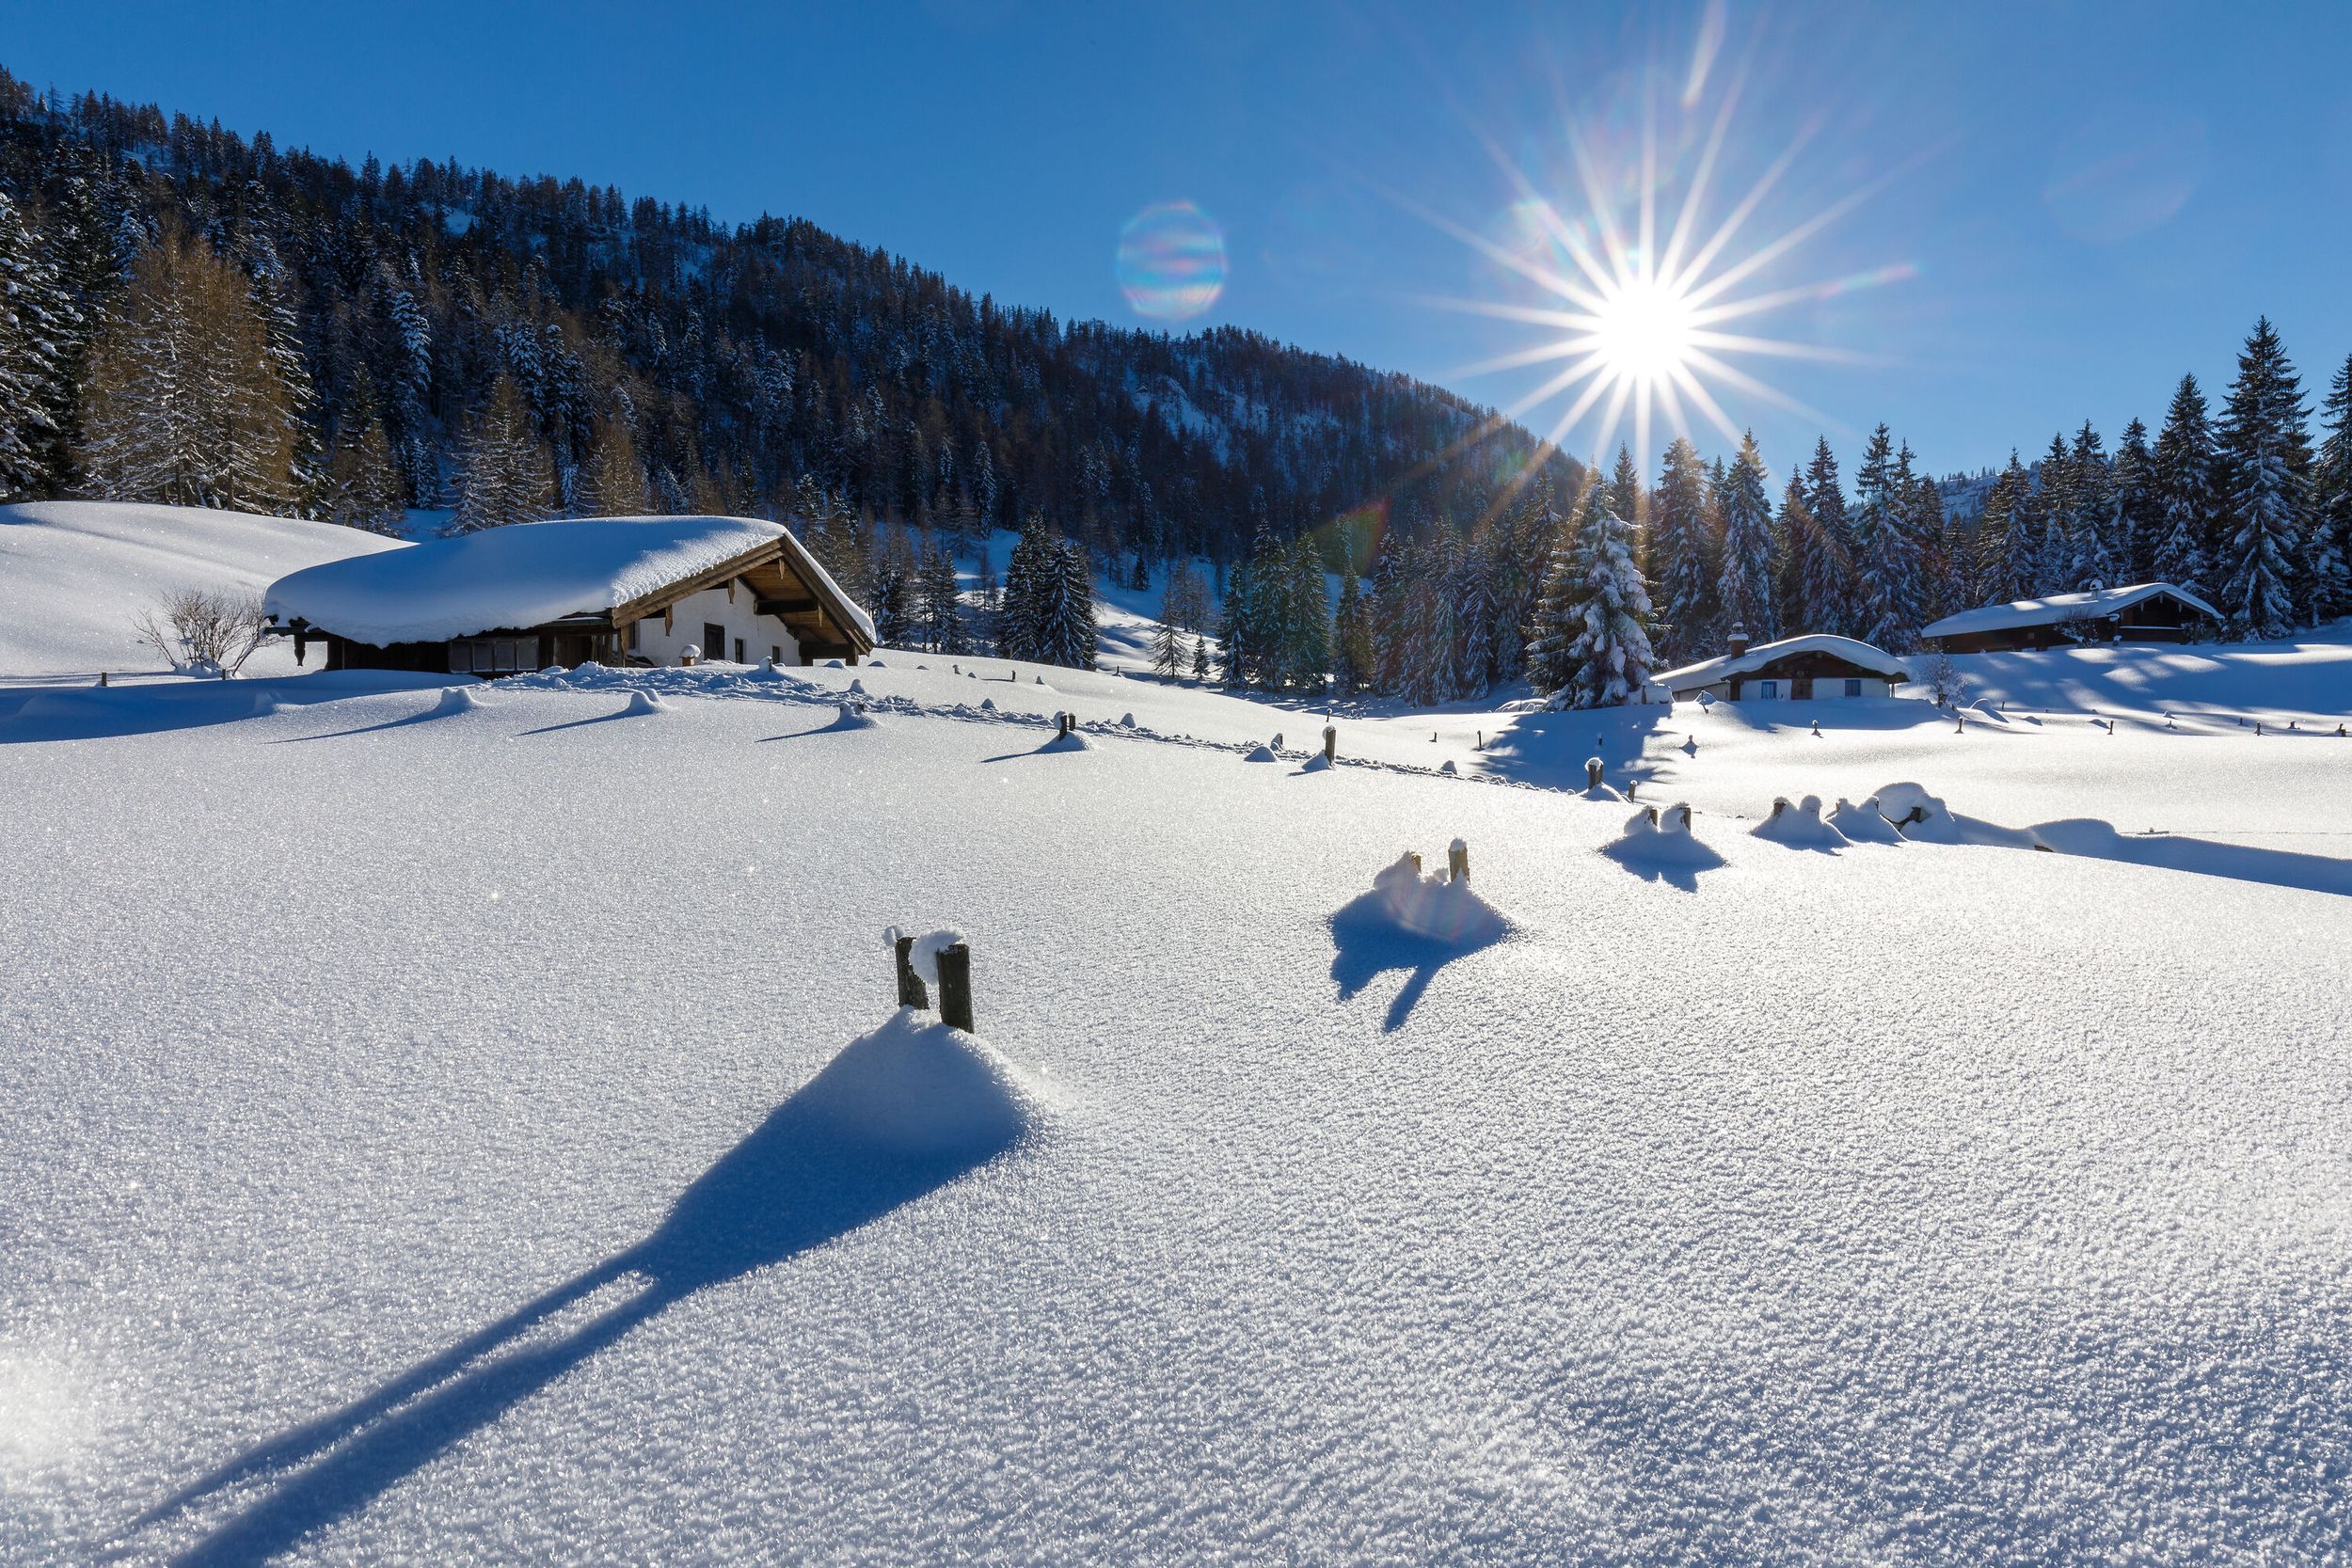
<point x="1739" y="640"/>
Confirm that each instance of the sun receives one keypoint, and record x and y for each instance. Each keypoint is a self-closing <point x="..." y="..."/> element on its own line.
<point x="1644" y="331"/>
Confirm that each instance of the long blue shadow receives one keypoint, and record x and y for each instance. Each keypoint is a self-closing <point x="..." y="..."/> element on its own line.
<point x="794" y="1183"/>
<point x="1369" y="943"/>
<point x="2238" y="861"/>
<point x="44" y="713"/>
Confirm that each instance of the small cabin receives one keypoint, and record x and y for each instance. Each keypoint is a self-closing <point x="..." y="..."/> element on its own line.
<point x="1794" y="669"/>
<point x="2145" y="612"/>
<point x="643" y="591"/>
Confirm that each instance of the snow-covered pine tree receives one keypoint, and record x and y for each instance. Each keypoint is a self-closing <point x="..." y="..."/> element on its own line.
<point x="1200" y="659"/>
<point x="505" y="478"/>
<point x="1677" y="539"/>
<point x="2265" y="454"/>
<point x="2183" y="467"/>
<point x="363" y="484"/>
<point x="1021" y="619"/>
<point x="1351" y="639"/>
<point x="39" y="326"/>
<point x="2054" y="499"/>
<point x="1387" y="615"/>
<point x="1745" y="586"/>
<point x="1473" y="620"/>
<point x="1305" y="617"/>
<point x="1066" y="619"/>
<point x="1558" y="623"/>
<point x="2134" y="504"/>
<point x="1429" y="673"/>
<point x="2091" y="515"/>
<point x="1626" y="498"/>
<point x="268" y="292"/>
<point x="1829" y="588"/>
<point x="938" y="605"/>
<point x="1795" y="537"/>
<point x="2015" y="569"/>
<point x="2331" y="519"/>
<point x="1612" y="651"/>
<point x="1887" y="582"/>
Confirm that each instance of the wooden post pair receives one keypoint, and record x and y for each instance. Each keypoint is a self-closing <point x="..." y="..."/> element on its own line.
<point x="955" y="983"/>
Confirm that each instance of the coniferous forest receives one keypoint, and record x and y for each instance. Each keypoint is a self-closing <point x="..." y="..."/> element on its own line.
<point x="188" y="316"/>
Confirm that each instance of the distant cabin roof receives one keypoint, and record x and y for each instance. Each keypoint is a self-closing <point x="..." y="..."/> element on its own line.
<point x="1706" y="672"/>
<point x="2097" y="605"/>
<point x="530" y="574"/>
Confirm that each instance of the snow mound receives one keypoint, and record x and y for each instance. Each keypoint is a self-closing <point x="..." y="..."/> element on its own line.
<point x="1073" y="741"/>
<point x="1434" y="906"/>
<point x="988" y="705"/>
<point x="857" y="688"/>
<point x="1863" y="824"/>
<point x="1447" y="767"/>
<point x="1799" y="826"/>
<point x="1261" y="754"/>
<point x="1662" y="838"/>
<point x="919" y="1089"/>
<point x="1919" y="815"/>
<point x="848" y="716"/>
<point x="641" y="701"/>
<point x="458" y="699"/>
<point x="1321" y="764"/>
<point x="1126" y="720"/>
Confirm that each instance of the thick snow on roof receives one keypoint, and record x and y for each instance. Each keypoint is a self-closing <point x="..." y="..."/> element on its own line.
<point x="1706" y="672"/>
<point x="2094" y="605"/>
<point x="525" y="575"/>
<point x="74" y="575"/>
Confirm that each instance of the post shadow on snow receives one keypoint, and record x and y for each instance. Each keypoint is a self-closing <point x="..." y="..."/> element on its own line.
<point x="1370" y="939"/>
<point x="632" y="712"/>
<point x="1673" y="858"/>
<point x="2099" y="840"/>
<point x="795" y="1182"/>
<point x="42" y="713"/>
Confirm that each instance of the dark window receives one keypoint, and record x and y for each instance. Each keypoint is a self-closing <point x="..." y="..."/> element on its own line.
<point x="714" y="640"/>
<point x="775" y="654"/>
<point x="1854" y="688"/>
<point x="1771" y="689"/>
<point x="738" y="652"/>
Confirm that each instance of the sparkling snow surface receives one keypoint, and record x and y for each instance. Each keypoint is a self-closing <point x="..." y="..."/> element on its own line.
<point x="429" y="1137"/>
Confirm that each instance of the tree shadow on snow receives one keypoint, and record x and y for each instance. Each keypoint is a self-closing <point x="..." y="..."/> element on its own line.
<point x="2241" y="862"/>
<point x="796" y="1182"/>
<point x="1370" y="941"/>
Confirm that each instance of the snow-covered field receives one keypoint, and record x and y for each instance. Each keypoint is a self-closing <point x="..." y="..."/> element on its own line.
<point x="477" y="1132"/>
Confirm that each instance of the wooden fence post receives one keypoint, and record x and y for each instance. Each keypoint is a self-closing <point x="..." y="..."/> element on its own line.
<point x="1330" y="743"/>
<point x="911" y="990"/>
<point x="1414" y="855"/>
<point x="955" y="986"/>
<point x="1062" y="726"/>
<point x="1457" y="861"/>
<point x="1592" y="773"/>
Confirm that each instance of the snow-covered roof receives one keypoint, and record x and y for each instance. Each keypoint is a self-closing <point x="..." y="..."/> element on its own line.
<point x="530" y="574"/>
<point x="1706" y="672"/>
<point x="2096" y="604"/>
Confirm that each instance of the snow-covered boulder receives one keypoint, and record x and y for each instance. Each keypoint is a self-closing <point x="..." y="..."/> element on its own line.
<point x="1261" y="754"/>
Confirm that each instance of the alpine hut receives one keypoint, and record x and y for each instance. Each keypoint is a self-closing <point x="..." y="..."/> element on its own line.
<point x="2145" y="612"/>
<point x="1802" y="668"/>
<point x="643" y="591"/>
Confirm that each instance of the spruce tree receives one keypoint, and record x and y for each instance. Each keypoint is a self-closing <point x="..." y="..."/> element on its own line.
<point x="1351" y="639"/>
<point x="1021" y="619"/>
<point x="1610" y="652"/>
<point x="1066" y="623"/>
<point x="2135" y="504"/>
<point x="1558" y="622"/>
<point x="612" y="480"/>
<point x="2265" y="454"/>
<point x="1388" y="615"/>
<point x="1686" y="587"/>
<point x="1306" y="617"/>
<point x="2331" y="504"/>
<point x="39" y="326"/>
<point x="1887" y="582"/>
<point x="2092" y="517"/>
<point x="1795" y="538"/>
<point x="2012" y="542"/>
<point x="1745" y="586"/>
<point x="2185" y="509"/>
<point x="2054" y="499"/>
<point x="1830" y="587"/>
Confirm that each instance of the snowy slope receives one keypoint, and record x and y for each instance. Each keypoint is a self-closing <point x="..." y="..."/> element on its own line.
<point x="73" y="573"/>
<point x="501" y="1183"/>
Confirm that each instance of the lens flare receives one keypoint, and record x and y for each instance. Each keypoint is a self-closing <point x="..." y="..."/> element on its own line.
<point x="1171" y="262"/>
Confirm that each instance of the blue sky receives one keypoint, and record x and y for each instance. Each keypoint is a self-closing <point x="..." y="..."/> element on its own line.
<point x="2037" y="214"/>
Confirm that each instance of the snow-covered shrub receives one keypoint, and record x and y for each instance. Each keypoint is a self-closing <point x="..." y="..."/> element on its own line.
<point x="204" y="633"/>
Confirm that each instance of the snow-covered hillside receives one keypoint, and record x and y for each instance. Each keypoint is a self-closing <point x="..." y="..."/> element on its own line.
<point x="476" y="1133"/>
<point x="74" y="575"/>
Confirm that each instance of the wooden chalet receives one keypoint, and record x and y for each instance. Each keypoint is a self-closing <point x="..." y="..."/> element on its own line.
<point x="2145" y="612"/>
<point x="643" y="591"/>
<point x="1797" y="669"/>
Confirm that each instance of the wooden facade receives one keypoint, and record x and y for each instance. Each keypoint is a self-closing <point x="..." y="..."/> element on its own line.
<point x="2158" y="618"/>
<point x="1801" y="677"/>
